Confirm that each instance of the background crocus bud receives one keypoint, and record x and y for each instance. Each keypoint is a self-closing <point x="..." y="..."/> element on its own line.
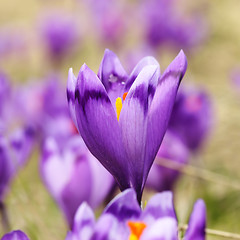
<point x="192" y="116"/>
<point x="60" y="33"/>
<point x="15" y="235"/>
<point x="172" y="149"/>
<point x="72" y="175"/>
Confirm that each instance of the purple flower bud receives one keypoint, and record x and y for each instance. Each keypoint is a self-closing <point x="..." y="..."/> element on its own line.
<point x="72" y="175"/>
<point x="15" y="235"/>
<point x="123" y="118"/>
<point x="192" y="117"/>
<point x="60" y="33"/>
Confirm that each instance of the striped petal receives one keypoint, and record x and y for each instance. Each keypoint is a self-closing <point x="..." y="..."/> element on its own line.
<point x="161" y="107"/>
<point x="112" y="75"/>
<point x="159" y="206"/>
<point x="163" y="229"/>
<point x="133" y="121"/>
<point x="71" y="86"/>
<point x="124" y="206"/>
<point x="98" y="125"/>
<point x="197" y="222"/>
<point x="15" y="235"/>
<point x="147" y="61"/>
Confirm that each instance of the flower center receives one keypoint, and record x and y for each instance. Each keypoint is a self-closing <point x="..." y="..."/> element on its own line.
<point x="136" y="229"/>
<point x="118" y="104"/>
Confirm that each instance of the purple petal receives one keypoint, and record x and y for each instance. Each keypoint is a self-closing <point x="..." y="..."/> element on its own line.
<point x="6" y="167"/>
<point x="163" y="229"/>
<point x="133" y="121"/>
<point x="101" y="179"/>
<point x="15" y="235"/>
<point x="139" y="67"/>
<point x="111" y="70"/>
<point x="71" y="86"/>
<point x="55" y="173"/>
<point x="161" y="107"/>
<point x="98" y="125"/>
<point x="160" y="205"/>
<point x="78" y="188"/>
<point x="106" y="228"/>
<point x="124" y="206"/>
<point x="197" y="222"/>
<point x="84" y="222"/>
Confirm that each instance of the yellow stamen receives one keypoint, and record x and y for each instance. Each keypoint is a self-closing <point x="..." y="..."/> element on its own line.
<point x="124" y="95"/>
<point x="118" y="107"/>
<point x="136" y="229"/>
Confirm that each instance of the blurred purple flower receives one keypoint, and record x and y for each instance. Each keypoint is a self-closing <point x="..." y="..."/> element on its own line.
<point x="192" y="117"/>
<point x="15" y="149"/>
<point x="15" y="235"/>
<point x="73" y="175"/>
<point x="60" y="33"/>
<point x="164" y="24"/>
<point x="108" y="18"/>
<point x="123" y="219"/>
<point x="173" y="149"/>
<point x="13" y="41"/>
<point x="44" y="104"/>
<point x="123" y="118"/>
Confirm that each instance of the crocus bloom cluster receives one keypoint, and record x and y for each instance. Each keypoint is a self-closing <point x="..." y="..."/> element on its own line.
<point x="122" y="118"/>
<point x="73" y="175"/>
<point x="15" y="235"/>
<point x="192" y="117"/>
<point x="172" y="149"/>
<point x="124" y="219"/>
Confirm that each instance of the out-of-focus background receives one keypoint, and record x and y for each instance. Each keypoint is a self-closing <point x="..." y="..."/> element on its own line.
<point x="207" y="31"/>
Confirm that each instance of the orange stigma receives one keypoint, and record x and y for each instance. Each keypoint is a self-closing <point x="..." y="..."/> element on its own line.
<point x="124" y="95"/>
<point x="136" y="229"/>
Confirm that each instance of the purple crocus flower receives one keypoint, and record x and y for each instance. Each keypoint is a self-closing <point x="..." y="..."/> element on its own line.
<point x="73" y="175"/>
<point x="123" y="219"/>
<point x="60" y="33"/>
<point x="15" y="235"/>
<point x="192" y="116"/>
<point x="122" y="118"/>
<point x="173" y="149"/>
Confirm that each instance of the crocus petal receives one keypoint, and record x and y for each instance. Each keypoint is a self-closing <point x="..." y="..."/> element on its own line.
<point x="70" y="197"/>
<point x="138" y="68"/>
<point x="133" y="121"/>
<point x="160" y="205"/>
<point x="161" y="107"/>
<point x="54" y="180"/>
<point x="165" y="228"/>
<point x="101" y="179"/>
<point x="71" y="86"/>
<point x="111" y="67"/>
<point x="15" y="235"/>
<point x="84" y="222"/>
<point x="98" y="125"/>
<point x="124" y="206"/>
<point x="197" y="222"/>
<point x="105" y="228"/>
